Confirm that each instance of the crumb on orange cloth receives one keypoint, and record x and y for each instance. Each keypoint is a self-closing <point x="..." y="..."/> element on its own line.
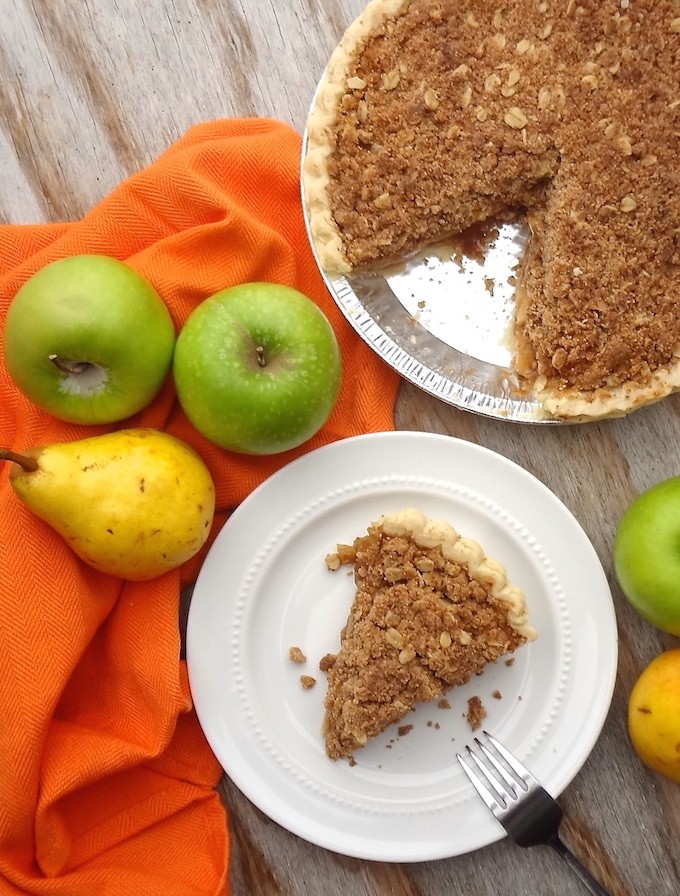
<point x="107" y="782"/>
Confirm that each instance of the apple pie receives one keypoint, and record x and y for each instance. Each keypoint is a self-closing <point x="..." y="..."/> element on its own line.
<point x="435" y="116"/>
<point x="430" y="611"/>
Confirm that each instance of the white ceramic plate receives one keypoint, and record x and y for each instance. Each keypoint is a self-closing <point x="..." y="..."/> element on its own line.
<point x="264" y="588"/>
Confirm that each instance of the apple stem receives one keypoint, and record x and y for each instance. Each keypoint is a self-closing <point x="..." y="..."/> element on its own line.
<point x="69" y="366"/>
<point x="261" y="360"/>
<point x="28" y="464"/>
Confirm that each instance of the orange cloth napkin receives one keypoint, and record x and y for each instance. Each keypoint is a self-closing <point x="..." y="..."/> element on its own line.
<point x="106" y="782"/>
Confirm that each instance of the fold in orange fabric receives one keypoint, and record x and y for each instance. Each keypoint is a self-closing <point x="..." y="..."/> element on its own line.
<point x="106" y="782"/>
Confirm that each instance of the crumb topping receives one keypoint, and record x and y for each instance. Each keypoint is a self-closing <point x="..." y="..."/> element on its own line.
<point x="326" y="661"/>
<point x="295" y="655"/>
<point x="419" y="624"/>
<point x="476" y="712"/>
<point x="567" y="111"/>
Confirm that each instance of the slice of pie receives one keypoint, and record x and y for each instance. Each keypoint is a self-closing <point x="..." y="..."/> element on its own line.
<point x="430" y="611"/>
<point x="437" y="115"/>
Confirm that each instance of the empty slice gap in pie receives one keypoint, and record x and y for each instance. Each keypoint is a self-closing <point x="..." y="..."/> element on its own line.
<point x="436" y="115"/>
<point x="431" y="610"/>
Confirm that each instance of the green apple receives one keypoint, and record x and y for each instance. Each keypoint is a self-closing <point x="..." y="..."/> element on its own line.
<point x="647" y="555"/>
<point x="88" y="340"/>
<point x="257" y="368"/>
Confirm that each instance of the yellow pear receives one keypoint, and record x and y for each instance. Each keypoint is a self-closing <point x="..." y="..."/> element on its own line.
<point x="133" y="503"/>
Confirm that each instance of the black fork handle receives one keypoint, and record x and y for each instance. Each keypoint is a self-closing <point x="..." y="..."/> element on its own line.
<point x="579" y="870"/>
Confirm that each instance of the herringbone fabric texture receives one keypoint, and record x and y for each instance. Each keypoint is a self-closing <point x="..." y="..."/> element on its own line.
<point x="107" y="784"/>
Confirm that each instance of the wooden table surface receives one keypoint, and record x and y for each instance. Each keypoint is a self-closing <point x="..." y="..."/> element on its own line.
<point x="93" y="90"/>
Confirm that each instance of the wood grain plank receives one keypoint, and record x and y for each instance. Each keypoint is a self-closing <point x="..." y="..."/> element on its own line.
<point x="92" y="91"/>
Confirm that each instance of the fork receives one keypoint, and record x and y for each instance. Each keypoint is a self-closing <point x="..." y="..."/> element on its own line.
<point x="524" y="808"/>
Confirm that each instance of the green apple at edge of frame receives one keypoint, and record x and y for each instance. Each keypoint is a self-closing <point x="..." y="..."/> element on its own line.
<point x="647" y="555"/>
<point x="88" y="340"/>
<point x="257" y="368"/>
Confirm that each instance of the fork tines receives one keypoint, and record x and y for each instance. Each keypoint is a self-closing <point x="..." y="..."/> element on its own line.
<point x="522" y="806"/>
<point x="502" y="774"/>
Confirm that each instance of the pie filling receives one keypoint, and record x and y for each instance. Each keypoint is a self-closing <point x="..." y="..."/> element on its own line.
<point x="435" y="116"/>
<point x="430" y="611"/>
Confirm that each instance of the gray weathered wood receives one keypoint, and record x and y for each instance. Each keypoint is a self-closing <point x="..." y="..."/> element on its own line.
<point x="91" y="91"/>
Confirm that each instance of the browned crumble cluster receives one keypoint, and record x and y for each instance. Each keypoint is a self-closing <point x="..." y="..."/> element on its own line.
<point x="295" y="655"/>
<point x="419" y="625"/>
<point x="326" y="661"/>
<point x="476" y="712"/>
<point x="568" y="111"/>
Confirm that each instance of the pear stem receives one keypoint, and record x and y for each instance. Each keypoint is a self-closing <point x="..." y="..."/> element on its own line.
<point x="28" y="464"/>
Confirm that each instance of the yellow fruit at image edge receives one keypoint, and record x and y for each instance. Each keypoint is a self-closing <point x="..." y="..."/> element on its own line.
<point x="654" y="715"/>
<point x="133" y="503"/>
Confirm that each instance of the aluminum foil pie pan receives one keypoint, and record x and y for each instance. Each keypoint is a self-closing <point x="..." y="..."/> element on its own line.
<point x="443" y="320"/>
